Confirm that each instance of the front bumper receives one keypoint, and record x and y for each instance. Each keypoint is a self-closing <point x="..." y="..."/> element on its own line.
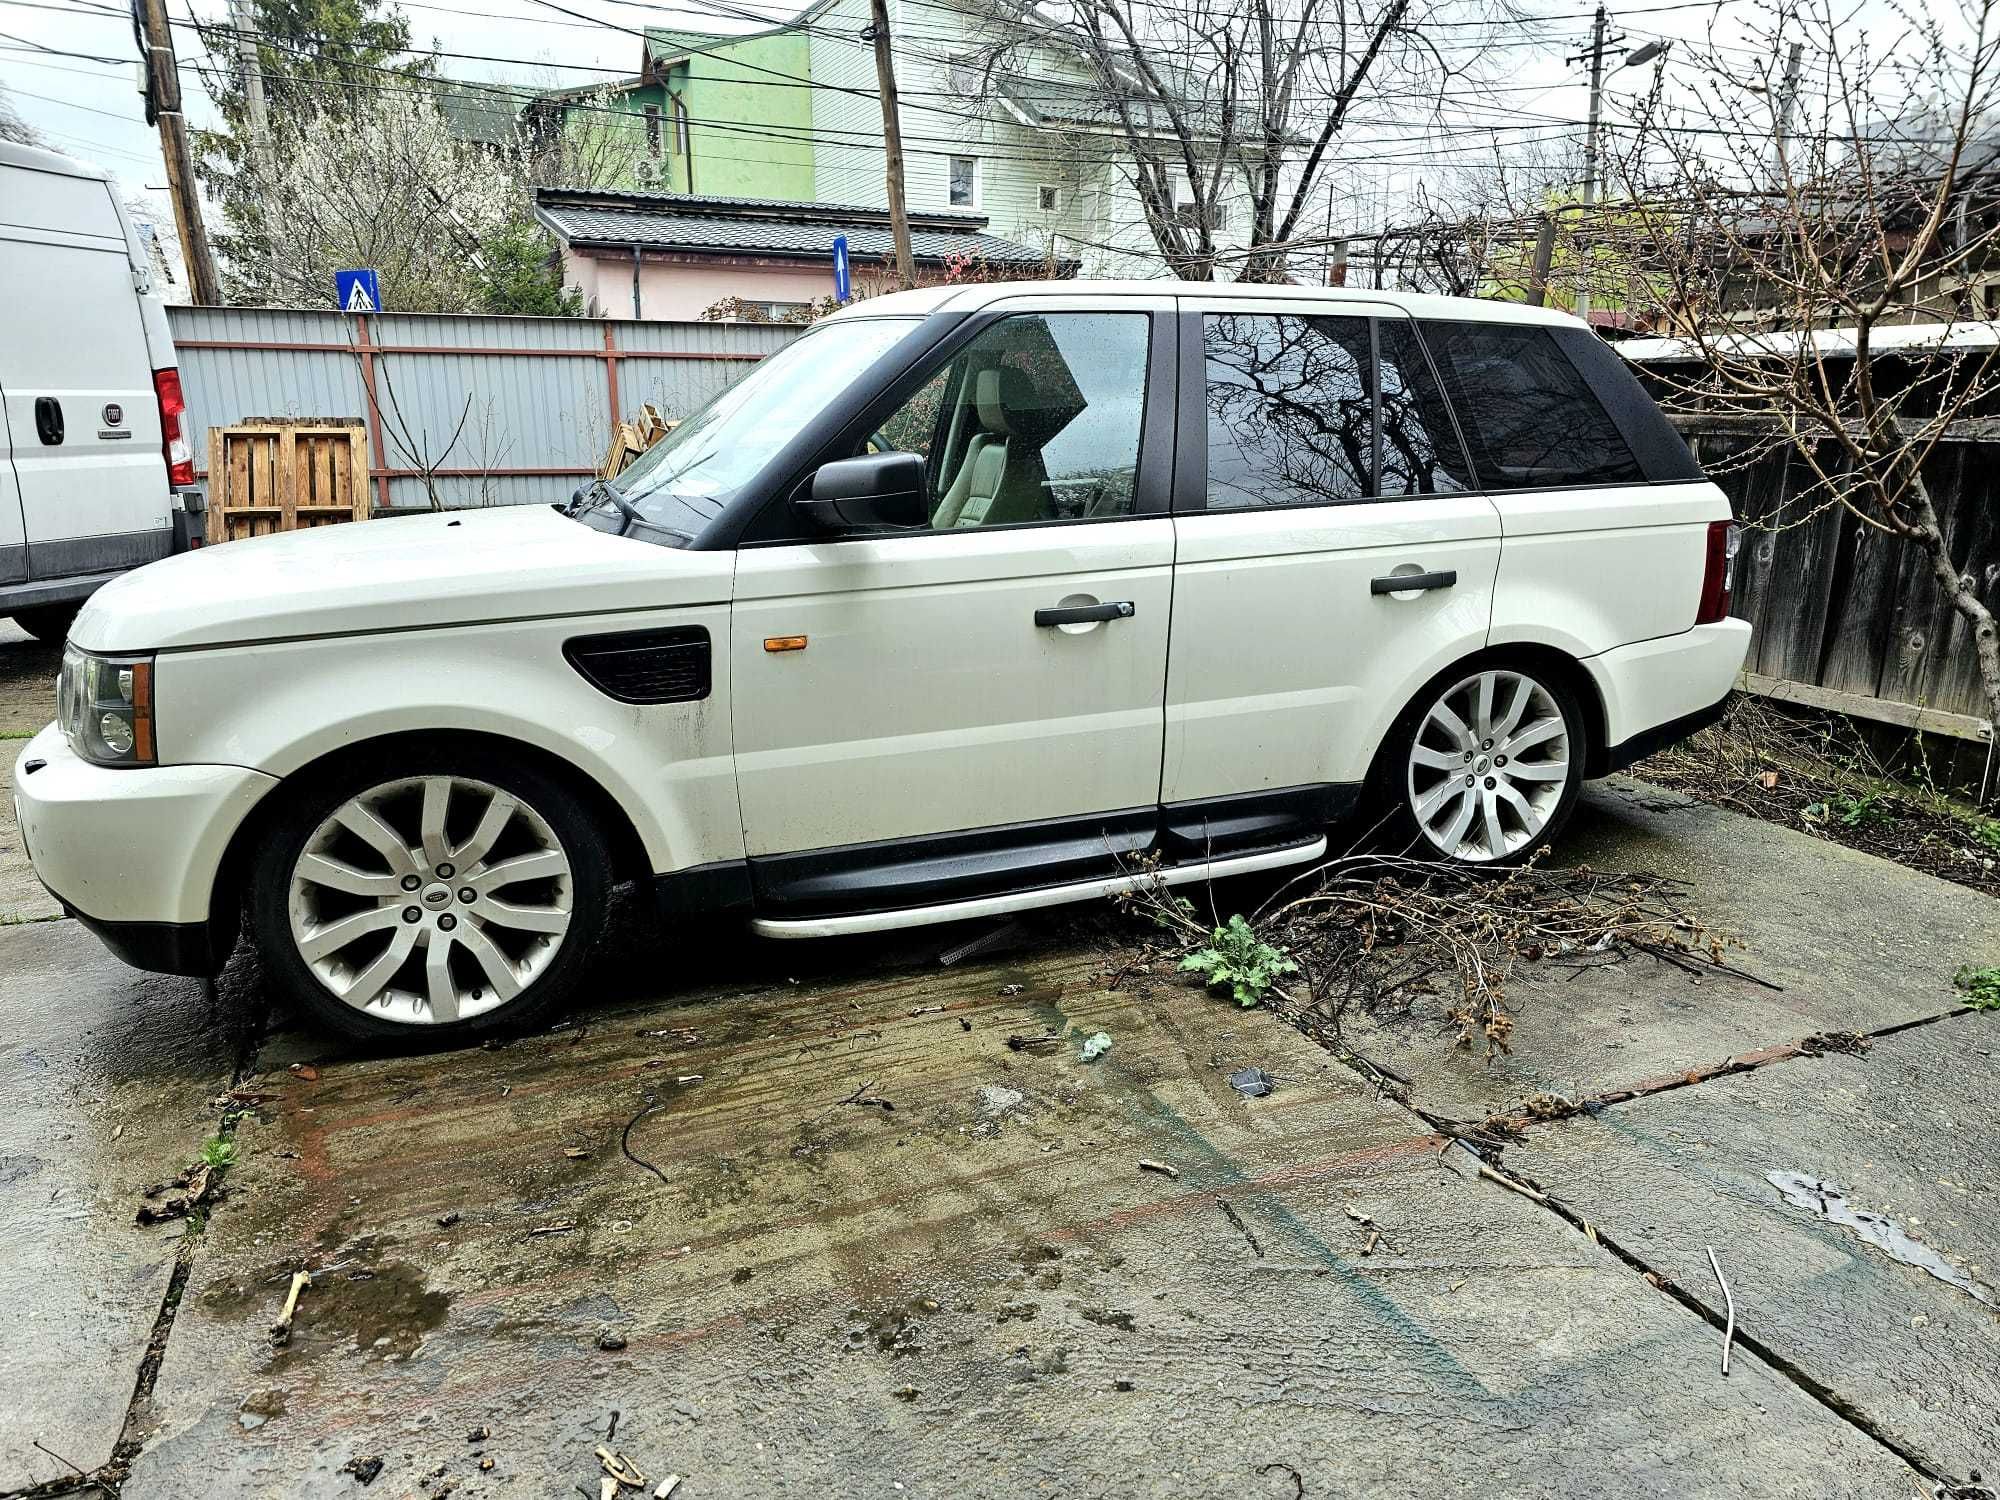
<point x="133" y="854"/>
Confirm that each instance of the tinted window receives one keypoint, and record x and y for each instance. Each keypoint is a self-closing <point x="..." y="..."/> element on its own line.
<point x="1661" y="451"/>
<point x="1037" y="419"/>
<point x="1529" y="416"/>
<point x="1420" y="452"/>
<point x="1290" y="414"/>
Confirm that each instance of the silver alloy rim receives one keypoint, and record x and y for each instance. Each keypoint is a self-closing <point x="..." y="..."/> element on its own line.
<point x="430" y="900"/>
<point x="1489" y="765"/>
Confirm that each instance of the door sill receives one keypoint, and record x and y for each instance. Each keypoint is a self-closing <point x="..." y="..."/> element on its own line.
<point x="1054" y="895"/>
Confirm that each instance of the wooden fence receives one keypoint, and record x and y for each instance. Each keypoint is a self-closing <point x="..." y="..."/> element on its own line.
<point x="1850" y="619"/>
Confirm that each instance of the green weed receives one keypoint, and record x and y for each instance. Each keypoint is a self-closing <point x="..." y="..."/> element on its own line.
<point x="1979" y="986"/>
<point x="1237" y="957"/>
<point x="216" y="1152"/>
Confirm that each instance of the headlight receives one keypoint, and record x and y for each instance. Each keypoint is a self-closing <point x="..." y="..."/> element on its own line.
<point x="105" y="707"/>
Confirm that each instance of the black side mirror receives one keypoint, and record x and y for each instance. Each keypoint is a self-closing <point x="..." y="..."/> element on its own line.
<point x="878" y="489"/>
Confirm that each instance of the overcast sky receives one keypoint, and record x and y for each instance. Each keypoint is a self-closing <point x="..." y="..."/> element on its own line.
<point x="91" y="109"/>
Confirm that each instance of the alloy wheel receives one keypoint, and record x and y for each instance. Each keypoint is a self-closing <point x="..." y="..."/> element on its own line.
<point x="430" y="900"/>
<point x="1489" y="765"/>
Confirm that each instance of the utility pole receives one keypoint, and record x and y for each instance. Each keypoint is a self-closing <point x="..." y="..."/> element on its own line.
<point x="1597" y="39"/>
<point x="892" y="139"/>
<point x="163" y="98"/>
<point x="1788" y="98"/>
<point x="243" y="21"/>
<point x="1545" y="249"/>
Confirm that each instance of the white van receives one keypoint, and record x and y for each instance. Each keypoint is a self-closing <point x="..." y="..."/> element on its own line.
<point x="94" y="439"/>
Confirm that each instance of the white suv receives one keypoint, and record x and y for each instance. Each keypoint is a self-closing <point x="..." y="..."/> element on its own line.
<point x="968" y="601"/>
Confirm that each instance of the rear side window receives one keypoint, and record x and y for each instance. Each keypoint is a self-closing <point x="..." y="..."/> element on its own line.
<point x="1662" y="453"/>
<point x="1290" y="413"/>
<point x="1530" y="417"/>
<point x="1420" y="452"/>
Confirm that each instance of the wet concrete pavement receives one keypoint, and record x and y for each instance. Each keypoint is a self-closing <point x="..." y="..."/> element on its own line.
<point x="861" y="1245"/>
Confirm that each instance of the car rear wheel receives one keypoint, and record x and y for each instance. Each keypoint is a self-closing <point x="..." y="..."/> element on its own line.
<point x="459" y="895"/>
<point x="1491" y="760"/>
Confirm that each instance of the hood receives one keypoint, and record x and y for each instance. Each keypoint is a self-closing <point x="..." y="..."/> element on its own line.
<point x="453" y="568"/>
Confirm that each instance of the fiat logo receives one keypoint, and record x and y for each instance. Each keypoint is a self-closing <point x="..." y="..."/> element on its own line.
<point x="114" y="414"/>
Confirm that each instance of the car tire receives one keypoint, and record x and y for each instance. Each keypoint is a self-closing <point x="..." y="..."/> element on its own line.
<point x="50" y="623"/>
<point x="430" y="896"/>
<point x="1458" y="786"/>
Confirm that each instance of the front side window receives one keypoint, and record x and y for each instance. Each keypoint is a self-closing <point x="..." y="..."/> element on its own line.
<point x="687" y="477"/>
<point x="1290" y="412"/>
<point x="1530" y="418"/>
<point x="964" y="182"/>
<point x="1037" y="419"/>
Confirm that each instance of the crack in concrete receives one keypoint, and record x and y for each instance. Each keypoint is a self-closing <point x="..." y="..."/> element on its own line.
<point x="1487" y="1151"/>
<point x="109" y="1477"/>
<point x="1820" y="1392"/>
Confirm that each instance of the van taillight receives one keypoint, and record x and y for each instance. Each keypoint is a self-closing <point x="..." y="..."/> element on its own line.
<point x="1719" y="578"/>
<point x="173" y="426"/>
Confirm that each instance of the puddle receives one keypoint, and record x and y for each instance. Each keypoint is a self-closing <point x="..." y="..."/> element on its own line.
<point x="1886" y="1235"/>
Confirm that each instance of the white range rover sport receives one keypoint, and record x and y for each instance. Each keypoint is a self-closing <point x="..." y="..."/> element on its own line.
<point x="969" y="600"/>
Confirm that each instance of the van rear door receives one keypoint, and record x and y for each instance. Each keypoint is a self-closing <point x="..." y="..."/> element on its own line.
<point x="76" y="376"/>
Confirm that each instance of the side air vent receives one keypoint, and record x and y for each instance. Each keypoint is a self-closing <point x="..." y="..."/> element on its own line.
<point x="645" y="666"/>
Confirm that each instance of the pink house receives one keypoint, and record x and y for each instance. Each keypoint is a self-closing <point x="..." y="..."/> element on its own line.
<point x="666" y="256"/>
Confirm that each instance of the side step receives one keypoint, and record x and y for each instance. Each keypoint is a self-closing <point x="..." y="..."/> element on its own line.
<point x="1055" y="895"/>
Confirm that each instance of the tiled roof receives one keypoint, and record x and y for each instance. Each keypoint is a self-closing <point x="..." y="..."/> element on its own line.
<point x="1052" y="103"/>
<point x="761" y="226"/>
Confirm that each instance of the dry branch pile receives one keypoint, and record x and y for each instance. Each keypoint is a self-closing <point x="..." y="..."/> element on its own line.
<point x="1379" y="934"/>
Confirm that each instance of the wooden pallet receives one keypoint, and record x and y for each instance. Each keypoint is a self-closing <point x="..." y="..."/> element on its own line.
<point x="283" y="473"/>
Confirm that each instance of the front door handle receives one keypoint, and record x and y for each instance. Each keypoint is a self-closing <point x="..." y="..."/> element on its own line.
<point x="1086" y="614"/>
<point x="1396" y="583"/>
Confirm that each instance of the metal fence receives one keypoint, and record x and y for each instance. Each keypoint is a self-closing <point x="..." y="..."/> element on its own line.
<point x="502" y="411"/>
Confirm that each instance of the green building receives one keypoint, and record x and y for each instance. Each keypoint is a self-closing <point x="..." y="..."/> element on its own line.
<point x="727" y="115"/>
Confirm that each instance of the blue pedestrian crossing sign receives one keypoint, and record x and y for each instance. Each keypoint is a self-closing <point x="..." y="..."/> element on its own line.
<point x="840" y="283"/>
<point x="357" y="291"/>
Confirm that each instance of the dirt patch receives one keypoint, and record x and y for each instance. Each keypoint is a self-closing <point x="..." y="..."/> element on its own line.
<point x="1817" y="774"/>
<point x="27" y="685"/>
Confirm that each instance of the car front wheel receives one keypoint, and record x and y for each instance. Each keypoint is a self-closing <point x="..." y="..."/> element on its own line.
<point x="1492" y="760"/>
<point x="460" y="894"/>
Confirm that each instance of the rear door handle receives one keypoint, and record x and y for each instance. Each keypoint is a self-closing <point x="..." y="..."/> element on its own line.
<point x="1396" y="583"/>
<point x="1085" y="614"/>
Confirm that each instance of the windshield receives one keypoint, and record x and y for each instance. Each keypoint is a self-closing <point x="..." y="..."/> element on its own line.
<point x="684" y="479"/>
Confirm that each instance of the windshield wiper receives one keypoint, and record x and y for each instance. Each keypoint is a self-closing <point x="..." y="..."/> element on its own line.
<point x="605" y="489"/>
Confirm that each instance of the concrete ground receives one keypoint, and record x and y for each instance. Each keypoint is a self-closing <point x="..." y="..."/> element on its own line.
<point x="797" y="1219"/>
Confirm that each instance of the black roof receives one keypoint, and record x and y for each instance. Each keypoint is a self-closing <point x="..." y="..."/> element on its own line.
<point x="701" y="225"/>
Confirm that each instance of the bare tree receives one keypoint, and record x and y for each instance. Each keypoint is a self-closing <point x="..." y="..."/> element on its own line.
<point x="1787" y="235"/>
<point x="13" y="127"/>
<point x="1239" y="102"/>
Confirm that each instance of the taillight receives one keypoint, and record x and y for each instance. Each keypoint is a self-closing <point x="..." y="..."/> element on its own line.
<point x="1725" y="538"/>
<point x="173" y="426"/>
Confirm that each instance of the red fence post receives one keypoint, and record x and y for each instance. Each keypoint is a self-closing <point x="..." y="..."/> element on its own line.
<point x="367" y="352"/>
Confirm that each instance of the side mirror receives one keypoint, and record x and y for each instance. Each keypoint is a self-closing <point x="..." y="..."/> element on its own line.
<point x="877" y="489"/>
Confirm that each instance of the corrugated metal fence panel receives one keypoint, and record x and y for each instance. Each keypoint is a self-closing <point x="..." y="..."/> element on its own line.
<point x="681" y="387"/>
<point x="224" y="386"/>
<point x="533" y="393"/>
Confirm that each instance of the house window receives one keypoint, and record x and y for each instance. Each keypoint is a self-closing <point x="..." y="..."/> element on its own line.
<point x="653" y="129"/>
<point x="964" y="181"/>
<point x="680" y="128"/>
<point x="1049" y="198"/>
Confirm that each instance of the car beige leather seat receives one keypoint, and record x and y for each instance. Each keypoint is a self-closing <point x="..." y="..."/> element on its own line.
<point x="1001" y="481"/>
